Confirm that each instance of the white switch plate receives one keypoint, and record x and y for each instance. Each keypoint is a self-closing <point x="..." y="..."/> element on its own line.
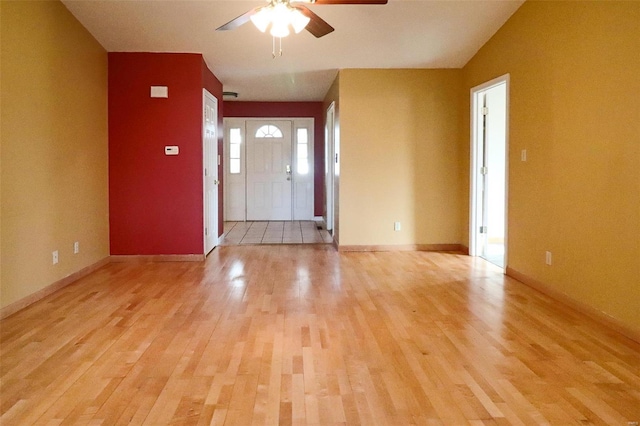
<point x="547" y="258"/>
<point x="54" y="257"/>
<point x="171" y="150"/>
<point x="76" y="247"/>
<point x="523" y="155"/>
<point x="159" y="92"/>
<point x="396" y="226"/>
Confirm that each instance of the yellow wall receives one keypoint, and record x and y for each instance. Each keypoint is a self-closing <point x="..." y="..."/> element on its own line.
<point x="400" y="149"/>
<point x="54" y="147"/>
<point x="575" y="107"/>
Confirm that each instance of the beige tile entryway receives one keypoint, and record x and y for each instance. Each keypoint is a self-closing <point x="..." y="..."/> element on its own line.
<point x="275" y="232"/>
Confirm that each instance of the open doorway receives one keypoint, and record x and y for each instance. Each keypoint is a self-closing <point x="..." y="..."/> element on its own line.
<point x="489" y="166"/>
<point x="329" y="150"/>
<point x="210" y="170"/>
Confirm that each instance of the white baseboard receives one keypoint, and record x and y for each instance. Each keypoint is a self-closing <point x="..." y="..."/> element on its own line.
<point x="51" y="288"/>
<point x="603" y="318"/>
<point x="159" y="258"/>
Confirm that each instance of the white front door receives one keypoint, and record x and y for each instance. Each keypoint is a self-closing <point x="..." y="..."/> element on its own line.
<point x="210" y="172"/>
<point x="269" y="170"/>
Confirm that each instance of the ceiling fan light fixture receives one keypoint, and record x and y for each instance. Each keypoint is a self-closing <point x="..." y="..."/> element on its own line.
<point x="280" y="19"/>
<point x="262" y="18"/>
<point x="298" y="20"/>
<point x="279" y="30"/>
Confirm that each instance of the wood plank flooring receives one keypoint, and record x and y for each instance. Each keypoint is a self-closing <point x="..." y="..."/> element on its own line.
<point x="303" y="335"/>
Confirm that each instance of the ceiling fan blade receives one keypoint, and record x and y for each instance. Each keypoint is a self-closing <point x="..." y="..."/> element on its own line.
<point x="316" y="26"/>
<point x="344" y="1"/>
<point x="240" y="20"/>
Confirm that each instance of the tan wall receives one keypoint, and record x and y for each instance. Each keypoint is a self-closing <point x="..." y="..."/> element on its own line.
<point x="400" y="143"/>
<point x="575" y="107"/>
<point x="54" y="147"/>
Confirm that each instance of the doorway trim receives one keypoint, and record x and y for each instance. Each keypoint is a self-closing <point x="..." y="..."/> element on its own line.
<point x="210" y="178"/>
<point x="329" y="150"/>
<point x="473" y="168"/>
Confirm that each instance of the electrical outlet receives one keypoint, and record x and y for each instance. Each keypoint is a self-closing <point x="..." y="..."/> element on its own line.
<point x="523" y="155"/>
<point x="76" y="247"/>
<point x="547" y="258"/>
<point x="54" y="257"/>
<point x="396" y="226"/>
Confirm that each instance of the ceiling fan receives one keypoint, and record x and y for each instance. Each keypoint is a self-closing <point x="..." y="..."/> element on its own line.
<point x="279" y="16"/>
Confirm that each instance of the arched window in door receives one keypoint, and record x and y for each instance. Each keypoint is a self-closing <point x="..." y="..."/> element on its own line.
<point x="268" y="131"/>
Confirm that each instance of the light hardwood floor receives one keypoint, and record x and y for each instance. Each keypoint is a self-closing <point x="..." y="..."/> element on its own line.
<point x="305" y="335"/>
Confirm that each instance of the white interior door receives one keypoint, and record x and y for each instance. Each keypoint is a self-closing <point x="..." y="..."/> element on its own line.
<point x="494" y="183"/>
<point x="489" y="172"/>
<point x="328" y="167"/>
<point x="210" y="172"/>
<point x="269" y="170"/>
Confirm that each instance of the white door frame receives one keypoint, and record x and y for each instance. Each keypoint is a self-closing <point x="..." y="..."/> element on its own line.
<point x="475" y="136"/>
<point x="302" y="208"/>
<point x="210" y="179"/>
<point x="328" y="168"/>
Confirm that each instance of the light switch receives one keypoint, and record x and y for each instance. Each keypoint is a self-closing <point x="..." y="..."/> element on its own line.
<point x="171" y="150"/>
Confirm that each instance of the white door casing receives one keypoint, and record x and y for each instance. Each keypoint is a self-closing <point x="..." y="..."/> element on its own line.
<point x="210" y="170"/>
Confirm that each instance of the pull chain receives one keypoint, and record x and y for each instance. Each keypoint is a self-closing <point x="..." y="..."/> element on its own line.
<point x="273" y="48"/>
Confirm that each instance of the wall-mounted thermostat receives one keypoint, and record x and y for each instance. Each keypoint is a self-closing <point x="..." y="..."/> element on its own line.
<point x="171" y="150"/>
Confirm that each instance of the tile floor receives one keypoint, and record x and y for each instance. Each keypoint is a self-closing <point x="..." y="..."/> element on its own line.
<point x="274" y="232"/>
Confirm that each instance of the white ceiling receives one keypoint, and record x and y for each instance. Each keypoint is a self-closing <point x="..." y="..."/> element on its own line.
<point x="400" y="34"/>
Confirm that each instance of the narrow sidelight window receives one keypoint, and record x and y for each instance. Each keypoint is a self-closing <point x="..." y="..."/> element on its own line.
<point x="302" y="150"/>
<point x="235" y="139"/>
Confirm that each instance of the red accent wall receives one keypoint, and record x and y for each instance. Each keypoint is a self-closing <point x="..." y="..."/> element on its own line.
<point x="156" y="201"/>
<point x="291" y="109"/>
